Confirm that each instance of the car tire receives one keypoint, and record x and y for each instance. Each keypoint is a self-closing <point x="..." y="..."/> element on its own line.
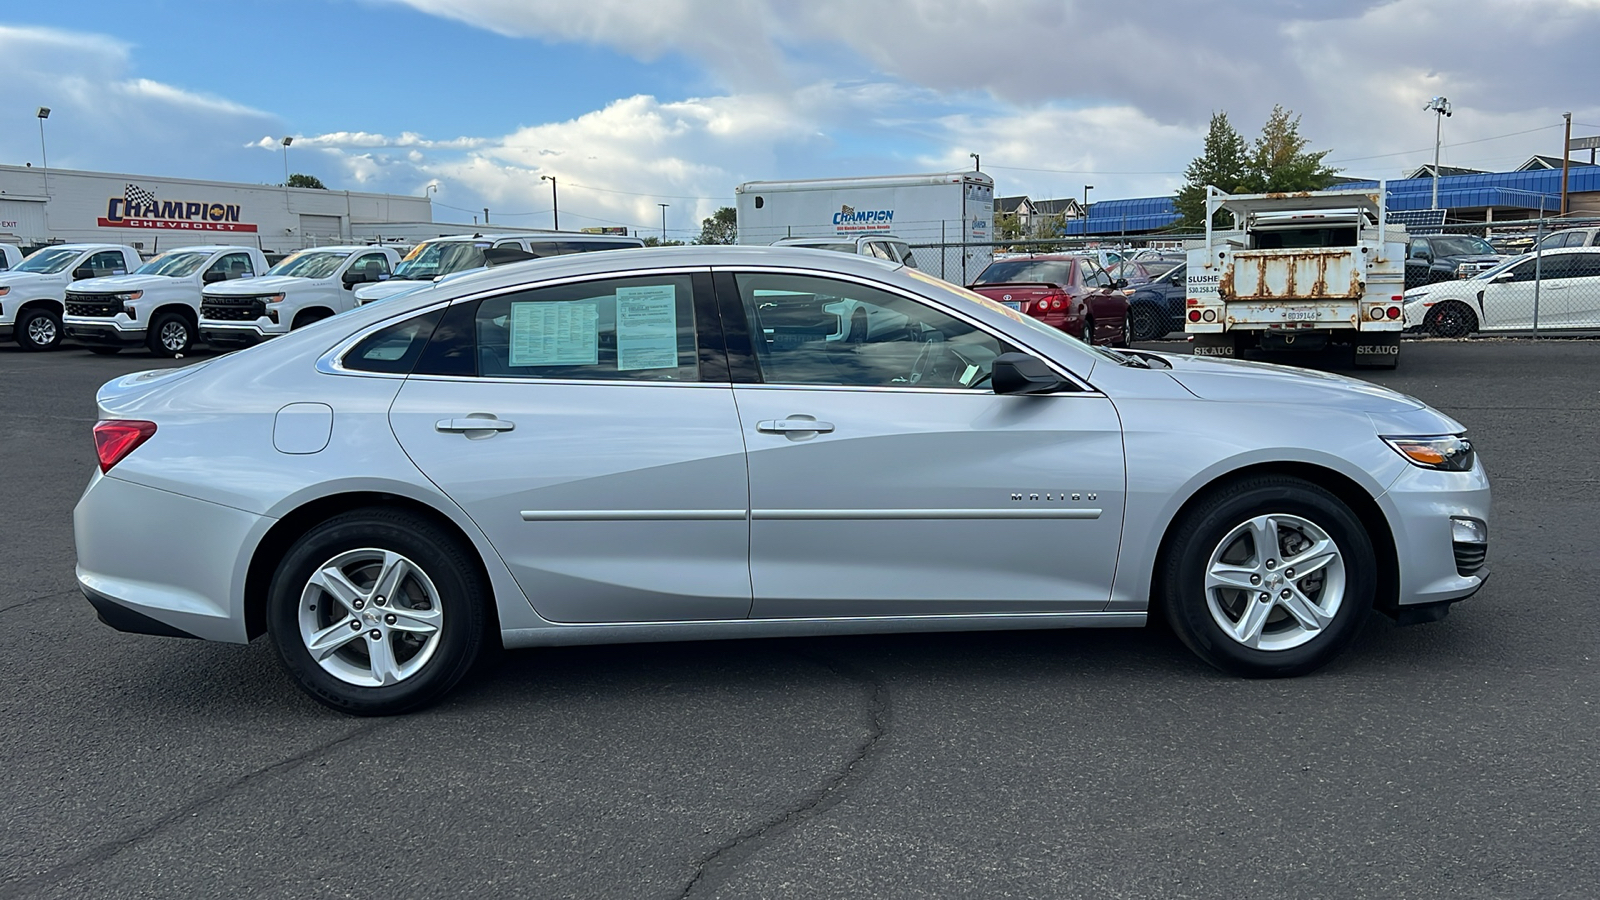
<point x="1125" y="337"/>
<point x="1307" y="617"/>
<point x="1088" y="330"/>
<point x="38" y="329"/>
<point x="1452" y="319"/>
<point x="306" y="317"/>
<point x="105" y="351"/>
<point x="402" y="651"/>
<point x="170" y="335"/>
<point x="1146" y="323"/>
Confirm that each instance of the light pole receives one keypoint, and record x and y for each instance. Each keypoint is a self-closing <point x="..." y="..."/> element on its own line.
<point x="44" y="113"/>
<point x="486" y="215"/>
<point x="429" y="191"/>
<point x="555" y="205"/>
<point x="977" y="165"/>
<point x="1440" y="106"/>
<point x="663" y="222"/>
<point x="1566" y="151"/>
<point x="1086" y="189"/>
<point x="286" y="142"/>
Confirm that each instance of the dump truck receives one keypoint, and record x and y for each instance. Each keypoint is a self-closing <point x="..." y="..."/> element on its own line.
<point x="1298" y="271"/>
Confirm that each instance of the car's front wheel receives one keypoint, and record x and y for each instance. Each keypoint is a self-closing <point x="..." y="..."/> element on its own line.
<point x="38" y="329"/>
<point x="1452" y="319"/>
<point x="1269" y="578"/>
<point x="377" y="611"/>
<point x="171" y="335"/>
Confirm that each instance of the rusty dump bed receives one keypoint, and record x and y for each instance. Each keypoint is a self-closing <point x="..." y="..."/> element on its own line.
<point x="1331" y="273"/>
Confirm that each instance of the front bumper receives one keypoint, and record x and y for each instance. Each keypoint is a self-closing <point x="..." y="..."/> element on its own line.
<point x="1434" y="569"/>
<point x="101" y="331"/>
<point x="234" y="334"/>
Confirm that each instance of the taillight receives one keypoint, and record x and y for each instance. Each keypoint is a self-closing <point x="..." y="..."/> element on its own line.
<point x="114" y="439"/>
<point x="1394" y="312"/>
<point x="1056" y="303"/>
<point x="1194" y="315"/>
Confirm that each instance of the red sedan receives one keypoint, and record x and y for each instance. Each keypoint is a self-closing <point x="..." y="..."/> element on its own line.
<point x="1072" y="293"/>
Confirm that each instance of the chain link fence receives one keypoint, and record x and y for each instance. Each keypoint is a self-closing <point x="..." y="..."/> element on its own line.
<point x="1539" y="277"/>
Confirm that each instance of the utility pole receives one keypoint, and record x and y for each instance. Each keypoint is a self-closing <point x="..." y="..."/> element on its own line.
<point x="1441" y="108"/>
<point x="1566" y="150"/>
<point x="663" y="222"/>
<point x="555" y="207"/>
<point x="44" y="113"/>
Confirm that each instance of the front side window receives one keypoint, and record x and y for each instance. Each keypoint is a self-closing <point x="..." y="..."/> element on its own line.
<point x="374" y="265"/>
<point x="819" y="331"/>
<point x="619" y="329"/>
<point x="311" y="264"/>
<point x="233" y="265"/>
<point x="107" y="262"/>
<point x="177" y="264"/>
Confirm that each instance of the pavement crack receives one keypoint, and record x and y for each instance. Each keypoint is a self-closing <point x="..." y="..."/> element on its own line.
<point x="826" y="794"/>
<point x="31" y="885"/>
<point x="31" y="600"/>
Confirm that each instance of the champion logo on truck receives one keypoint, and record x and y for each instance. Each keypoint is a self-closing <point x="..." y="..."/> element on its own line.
<point x="139" y="208"/>
<point x="848" y="218"/>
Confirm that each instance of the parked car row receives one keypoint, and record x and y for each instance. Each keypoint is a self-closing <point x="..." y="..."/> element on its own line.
<point x="227" y="295"/>
<point x="1554" y="289"/>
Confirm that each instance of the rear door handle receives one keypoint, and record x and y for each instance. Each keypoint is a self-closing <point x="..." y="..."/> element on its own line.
<point x="794" y="426"/>
<point x="472" y="423"/>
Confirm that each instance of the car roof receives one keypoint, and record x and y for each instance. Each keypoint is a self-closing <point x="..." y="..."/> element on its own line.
<point x="542" y="236"/>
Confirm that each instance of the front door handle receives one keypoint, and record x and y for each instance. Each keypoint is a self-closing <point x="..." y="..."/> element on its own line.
<point x="794" y="426"/>
<point x="469" y="424"/>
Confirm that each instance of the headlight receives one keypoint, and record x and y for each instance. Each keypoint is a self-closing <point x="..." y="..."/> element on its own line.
<point x="273" y="298"/>
<point x="128" y="297"/>
<point x="1449" y="453"/>
<point x="4" y="291"/>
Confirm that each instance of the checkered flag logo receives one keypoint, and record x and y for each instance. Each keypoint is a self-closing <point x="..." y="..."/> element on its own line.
<point x="136" y="197"/>
<point x="843" y="210"/>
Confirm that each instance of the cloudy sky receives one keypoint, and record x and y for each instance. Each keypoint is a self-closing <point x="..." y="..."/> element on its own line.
<point x="630" y="104"/>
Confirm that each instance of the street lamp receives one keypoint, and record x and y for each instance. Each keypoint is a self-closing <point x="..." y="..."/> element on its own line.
<point x="663" y="221"/>
<point x="430" y="190"/>
<point x="555" y="207"/>
<point x="1440" y="106"/>
<point x="44" y="113"/>
<point x="976" y="163"/>
<point x="286" y="142"/>
<point x="1086" y="189"/>
<point x="486" y="215"/>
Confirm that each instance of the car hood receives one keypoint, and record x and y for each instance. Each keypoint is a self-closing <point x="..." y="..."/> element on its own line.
<point x="1474" y="258"/>
<point x="116" y="284"/>
<point x="250" y="287"/>
<point x="22" y="280"/>
<point x="1256" y="382"/>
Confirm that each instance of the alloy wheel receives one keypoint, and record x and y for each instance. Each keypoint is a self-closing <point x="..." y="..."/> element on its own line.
<point x="42" y="330"/>
<point x="370" y="617"/>
<point x="1275" y="582"/>
<point x="174" y="336"/>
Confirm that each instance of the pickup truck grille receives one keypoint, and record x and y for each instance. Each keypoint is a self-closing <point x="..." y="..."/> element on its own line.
<point x="92" y="305"/>
<point x="233" y="309"/>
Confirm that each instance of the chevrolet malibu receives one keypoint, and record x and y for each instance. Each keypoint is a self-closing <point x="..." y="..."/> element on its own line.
<point x="688" y="444"/>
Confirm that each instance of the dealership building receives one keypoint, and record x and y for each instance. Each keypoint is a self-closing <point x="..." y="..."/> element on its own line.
<point x="39" y="206"/>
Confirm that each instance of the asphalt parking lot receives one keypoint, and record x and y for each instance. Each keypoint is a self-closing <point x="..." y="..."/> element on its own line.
<point x="1456" y="759"/>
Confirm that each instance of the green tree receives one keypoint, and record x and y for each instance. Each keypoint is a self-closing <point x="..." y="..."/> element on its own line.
<point x="653" y="241"/>
<point x="1007" y="227"/>
<point x="298" y="180"/>
<point x="1279" y="160"/>
<point x="721" y="228"/>
<point x="1224" y="163"/>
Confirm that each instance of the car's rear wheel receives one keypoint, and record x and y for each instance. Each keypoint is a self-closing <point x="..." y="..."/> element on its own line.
<point x="1126" y="335"/>
<point x="1088" y="330"/>
<point x="1145" y="323"/>
<point x="1452" y="319"/>
<point x="1269" y="578"/>
<point x="377" y="611"/>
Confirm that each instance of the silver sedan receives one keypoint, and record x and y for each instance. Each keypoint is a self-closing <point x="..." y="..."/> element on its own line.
<point x="689" y="444"/>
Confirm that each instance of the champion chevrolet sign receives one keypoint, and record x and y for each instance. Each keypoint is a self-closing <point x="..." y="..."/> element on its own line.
<point x="139" y="208"/>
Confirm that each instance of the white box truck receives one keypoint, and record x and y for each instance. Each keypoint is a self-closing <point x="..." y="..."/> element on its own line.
<point x="952" y="209"/>
<point x="1298" y="271"/>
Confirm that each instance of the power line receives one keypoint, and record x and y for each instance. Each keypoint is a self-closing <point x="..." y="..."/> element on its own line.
<point x="1453" y="144"/>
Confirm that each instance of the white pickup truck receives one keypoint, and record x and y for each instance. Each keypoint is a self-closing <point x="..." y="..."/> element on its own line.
<point x="33" y="293"/>
<point x="158" y="305"/>
<point x="434" y="259"/>
<point x="10" y="257"/>
<point x="1298" y="271"/>
<point x="309" y="286"/>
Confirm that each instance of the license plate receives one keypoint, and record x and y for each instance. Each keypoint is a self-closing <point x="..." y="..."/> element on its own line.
<point x="1299" y="315"/>
<point x="1014" y="304"/>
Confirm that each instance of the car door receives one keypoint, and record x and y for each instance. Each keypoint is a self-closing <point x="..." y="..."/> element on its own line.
<point x="372" y="266"/>
<point x="1569" y="295"/>
<point x="886" y="477"/>
<point x="589" y="429"/>
<point x="1507" y="300"/>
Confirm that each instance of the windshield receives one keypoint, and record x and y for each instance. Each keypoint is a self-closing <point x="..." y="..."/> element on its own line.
<point x="1043" y="331"/>
<point x="311" y="264"/>
<point x="430" y="260"/>
<point x="1459" y="245"/>
<point x="47" y="261"/>
<point x="837" y="248"/>
<point x="176" y="264"/>
<point x="1019" y="271"/>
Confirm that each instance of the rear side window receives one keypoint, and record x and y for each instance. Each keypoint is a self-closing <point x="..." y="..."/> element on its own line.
<point x="619" y="329"/>
<point x="394" y="349"/>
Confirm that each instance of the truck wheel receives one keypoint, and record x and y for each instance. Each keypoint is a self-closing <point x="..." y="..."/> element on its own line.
<point x="170" y="335"/>
<point x="38" y="329"/>
<point x="1146" y="324"/>
<point x="1452" y="320"/>
<point x="377" y="611"/>
<point x="307" y="316"/>
<point x="1271" y="577"/>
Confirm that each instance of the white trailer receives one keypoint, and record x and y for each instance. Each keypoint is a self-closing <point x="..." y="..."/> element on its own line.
<point x="1298" y="271"/>
<point x="946" y="217"/>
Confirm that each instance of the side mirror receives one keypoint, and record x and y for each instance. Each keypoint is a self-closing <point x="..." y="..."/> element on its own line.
<point x="81" y="273"/>
<point x="353" y="278"/>
<point x="1504" y="277"/>
<point x="213" y="277"/>
<point x="1022" y="373"/>
<point x="1120" y="283"/>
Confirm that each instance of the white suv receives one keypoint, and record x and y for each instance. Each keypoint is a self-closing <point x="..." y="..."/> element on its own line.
<point x="309" y="286"/>
<point x="33" y="294"/>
